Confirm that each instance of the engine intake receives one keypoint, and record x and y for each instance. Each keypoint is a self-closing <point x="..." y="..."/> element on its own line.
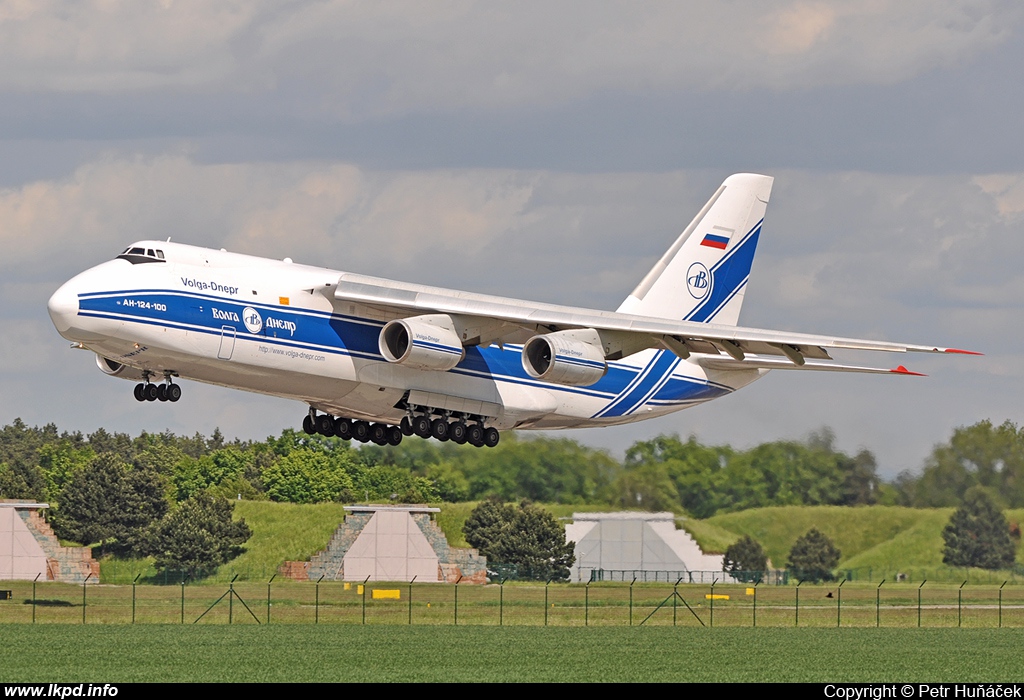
<point x="565" y="358"/>
<point x="422" y="342"/>
<point x="116" y="369"/>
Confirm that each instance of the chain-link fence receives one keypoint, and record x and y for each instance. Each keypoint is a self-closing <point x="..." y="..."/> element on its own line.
<point x="844" y="604"/>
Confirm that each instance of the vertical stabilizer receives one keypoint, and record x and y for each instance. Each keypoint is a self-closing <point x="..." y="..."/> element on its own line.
<point x="703" y="276"/>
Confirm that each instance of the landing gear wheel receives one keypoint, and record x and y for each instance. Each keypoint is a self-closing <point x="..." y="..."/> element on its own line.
<point x="458" y="433"/>
<point x="140" y="392"/>
<point x="395" y="435"/>
<point x="361" y="431"/>
<point x="152" y="391"/>
<point x="173" y="392"/>
<point x="325" y="425"/>
<point x="439" y="429"/>
<point x="307" y="425"/>
<point x="421" y="426"/>
<point x="379" y="434"/>
<point x="343" y="428"/>
<point x="491" y="437"/>
<point x="161" y="392"/>
<point x="475" y="435"/>
<point x="406" y="426"/>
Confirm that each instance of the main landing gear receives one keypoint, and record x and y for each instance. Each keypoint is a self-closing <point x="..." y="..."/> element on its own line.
<point x="147" y="391"/>
<point x="424" y="425"/>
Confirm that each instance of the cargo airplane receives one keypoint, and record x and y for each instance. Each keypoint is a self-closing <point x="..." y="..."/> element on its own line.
<point x="376" y="359"/>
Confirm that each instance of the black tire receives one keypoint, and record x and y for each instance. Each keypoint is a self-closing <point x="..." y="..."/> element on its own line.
<point x="325" y="425"/>
<point x="458" y="433"/>
<point x="161" y="392"/>
<point x="173" y="392"/>
<point x="140" y="392"/>
<point x="439" y="429"/>
<point x="475" y="435"/>
<point x="307" y="425"/>
<point x="152" y="391"/>
<point x="421" y="426"/>
<point x="379" y="434"/>
<point x="491" y="437"/>
<point x="343" y="428"/>
<point x="406" y="426"/>
<point x="395" y="435"/>
<point x="361" y="431"/>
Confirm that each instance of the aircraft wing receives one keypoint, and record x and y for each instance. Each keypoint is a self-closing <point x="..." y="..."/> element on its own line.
<point x="622" y="334"/>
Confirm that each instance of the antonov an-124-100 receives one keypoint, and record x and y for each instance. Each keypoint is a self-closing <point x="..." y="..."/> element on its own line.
<point x="376" y="360"/>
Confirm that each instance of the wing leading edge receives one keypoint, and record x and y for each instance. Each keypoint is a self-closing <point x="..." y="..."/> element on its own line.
<point x="621" y="333"/>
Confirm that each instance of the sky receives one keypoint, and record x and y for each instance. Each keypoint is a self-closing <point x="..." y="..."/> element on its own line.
<point x="549" y="151"/>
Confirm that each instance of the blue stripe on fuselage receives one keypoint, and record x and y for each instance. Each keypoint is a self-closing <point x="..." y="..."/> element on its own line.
<point x="626" y="387"/>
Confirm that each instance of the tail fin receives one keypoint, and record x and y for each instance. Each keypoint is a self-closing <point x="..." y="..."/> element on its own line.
<point x="703" y="276"/>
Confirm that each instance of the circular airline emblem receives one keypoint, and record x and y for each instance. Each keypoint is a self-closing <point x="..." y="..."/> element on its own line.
<point x="698" y="280"/>
<point x="252" y="319"/>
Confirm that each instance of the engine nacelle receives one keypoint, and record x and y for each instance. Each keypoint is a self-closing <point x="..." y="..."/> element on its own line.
<point x="116" y="369"/>
<point x="565" y="357"/>
<point x="422" y="342"/>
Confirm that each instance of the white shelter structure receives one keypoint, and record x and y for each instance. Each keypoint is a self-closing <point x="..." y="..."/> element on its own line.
<point x="647" y="546"/>
<point x="21" y="556"/>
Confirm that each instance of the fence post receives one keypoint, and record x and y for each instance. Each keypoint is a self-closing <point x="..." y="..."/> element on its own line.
<point x="959" y="604"/>
<point x="796" y="623"/>
<point x="457" y="600"/>
<point x="586" y="606"/>
<point x="133" y="597"/>
<point x="40" y="574"/>
<point x="756" y="584"/>
<point x="364" y="596"/>
<point x="878" y="604"/>
<point x="316" y="603"/>
<point x="183" y="601"/>
<point x="231" y="599"/>
<point x="919" y="601"/>
<point x="501" y="602"/>
<point x="631" y="601"/>
<point x="839" y="602"/>
<point x="1000" y="604"/>
<point x="410" y="597"/>
<point x="83" y="595"/>
<point x="268" y="596"/>
<point x="713" y="582"/>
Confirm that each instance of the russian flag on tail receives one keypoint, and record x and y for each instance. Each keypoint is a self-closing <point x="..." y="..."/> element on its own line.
<point x="715" y="240"/>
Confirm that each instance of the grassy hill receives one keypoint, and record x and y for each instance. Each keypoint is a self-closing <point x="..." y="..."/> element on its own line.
<point x="875" y="541"/>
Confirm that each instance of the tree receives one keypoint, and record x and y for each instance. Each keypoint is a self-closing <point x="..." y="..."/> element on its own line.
<point x="813" y="557"/>
<point x="527" y="537"/>
<point x="107" y="501"/>
<point x="198" y="536"/>
<point x="745" y="559"/>
<point x="978" y="534"/>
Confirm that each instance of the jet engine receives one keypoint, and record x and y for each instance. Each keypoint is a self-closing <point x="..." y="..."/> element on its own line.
<point x="422" y="342"/>
<point x="116" y="369"/>
<point x="565" y="357"/>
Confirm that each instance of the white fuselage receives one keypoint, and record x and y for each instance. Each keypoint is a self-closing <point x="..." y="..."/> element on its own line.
<point x="275" y="327"/>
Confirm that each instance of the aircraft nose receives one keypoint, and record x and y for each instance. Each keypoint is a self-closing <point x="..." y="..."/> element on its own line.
<point x="63" y="308"/>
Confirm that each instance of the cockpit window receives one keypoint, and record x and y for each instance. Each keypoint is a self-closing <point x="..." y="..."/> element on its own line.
<point x="138" y="256"/>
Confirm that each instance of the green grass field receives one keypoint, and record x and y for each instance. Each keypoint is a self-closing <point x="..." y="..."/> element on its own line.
<point x="332" y="653"/>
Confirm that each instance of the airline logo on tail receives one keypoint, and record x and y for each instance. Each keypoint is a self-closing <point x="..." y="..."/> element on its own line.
<point x="698" y="280"/>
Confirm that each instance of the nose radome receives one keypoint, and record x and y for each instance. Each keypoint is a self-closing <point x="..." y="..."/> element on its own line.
<point x="63" y="308"/>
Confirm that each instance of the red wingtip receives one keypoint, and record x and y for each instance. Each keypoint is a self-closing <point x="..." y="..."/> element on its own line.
<point x="903" y="370"/>
<point x="963" y="352"/>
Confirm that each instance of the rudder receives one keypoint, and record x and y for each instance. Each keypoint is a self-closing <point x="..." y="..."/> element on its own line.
<point x="703" y="276"/>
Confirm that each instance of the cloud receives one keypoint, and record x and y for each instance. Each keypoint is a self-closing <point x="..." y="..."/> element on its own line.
<point x="359" y="59"/>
